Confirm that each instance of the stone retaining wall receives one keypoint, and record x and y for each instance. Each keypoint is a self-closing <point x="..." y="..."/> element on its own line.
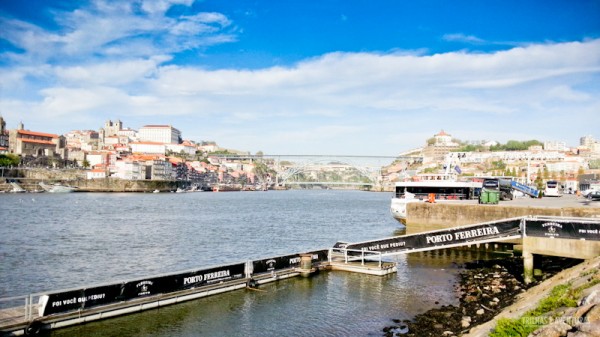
<point x="440" y="215"/>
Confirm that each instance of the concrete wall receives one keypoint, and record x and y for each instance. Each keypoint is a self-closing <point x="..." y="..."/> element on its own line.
<point x="426" y="216"/>
<point x="120" y="185"/>
<point x="576" y="249"/>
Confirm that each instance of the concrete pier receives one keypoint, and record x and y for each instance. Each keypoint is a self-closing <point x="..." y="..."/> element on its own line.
<point x="423" y="216"/>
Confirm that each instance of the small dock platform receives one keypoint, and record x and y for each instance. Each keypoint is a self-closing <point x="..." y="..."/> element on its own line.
<point x="360" y="261"/>
<point x="371" y="268"/>
<point x="31" y="314"/>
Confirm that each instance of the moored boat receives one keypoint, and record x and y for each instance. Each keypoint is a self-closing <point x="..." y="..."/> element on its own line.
<point x="430" y="187"/>
<point x="16" y="188"/>
<point x="57" y="188"/>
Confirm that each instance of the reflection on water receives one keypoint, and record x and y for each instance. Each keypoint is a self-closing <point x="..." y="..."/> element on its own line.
<point x="60" y="241"/>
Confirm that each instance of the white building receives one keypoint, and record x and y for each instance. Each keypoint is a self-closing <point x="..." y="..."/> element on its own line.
<point x="130" y="170"/>
<point x="103" y="158"/>
<point x="129" y="133"/>
<point x="160" y="170"/>
<point x="555" y="146"/>
<point x="111" y="140"/>
<point x="165" y="134"/>
<point x="571" y="165"/>
<point x="178" y="148"/>
<point x="96" y="174"/>
<point x="148" y="147"/>
<point x="587" y="141"/>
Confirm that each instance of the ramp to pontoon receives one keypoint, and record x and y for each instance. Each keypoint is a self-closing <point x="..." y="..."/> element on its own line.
<point x="530" y="191"/>
<point x="493" y="231"/>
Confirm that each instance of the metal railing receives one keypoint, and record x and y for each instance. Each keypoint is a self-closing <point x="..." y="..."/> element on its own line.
<point x="18" y="309"/>
<point x="361" y="255"/>
<point x="438" y="196"/>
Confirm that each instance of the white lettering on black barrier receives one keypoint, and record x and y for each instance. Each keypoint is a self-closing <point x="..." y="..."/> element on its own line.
<point x="464" y="235"/>
<point x="81" y="299"/>
<point x="144" y="287"/>
<point x="193" y="279"/>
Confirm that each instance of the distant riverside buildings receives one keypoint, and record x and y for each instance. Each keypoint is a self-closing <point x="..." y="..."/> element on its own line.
<point x="165" y="134"/>
<point x="33" y="143"/>
<point x="438" y="147"/>
<point x="555" y="146"/>
<point x="587" y="141"/>
<point x="3" y="136"/>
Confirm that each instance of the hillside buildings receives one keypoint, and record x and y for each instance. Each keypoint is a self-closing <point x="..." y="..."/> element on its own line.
<point x="438" y="147"/>
<point x="33" y="143"/>
<point x="165" y="134"/>
<point x="3" y="136"/>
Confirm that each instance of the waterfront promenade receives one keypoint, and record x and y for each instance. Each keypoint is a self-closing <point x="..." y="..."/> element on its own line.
<point x="567" y="200"/>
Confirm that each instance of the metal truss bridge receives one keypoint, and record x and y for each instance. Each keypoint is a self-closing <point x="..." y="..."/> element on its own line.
<point x="349" y="170"/>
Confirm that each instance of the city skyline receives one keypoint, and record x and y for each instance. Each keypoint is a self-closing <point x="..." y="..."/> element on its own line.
<point x="345" y="77"/>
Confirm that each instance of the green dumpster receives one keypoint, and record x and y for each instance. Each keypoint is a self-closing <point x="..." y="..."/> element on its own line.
<point x="494" y="197"/>
<point x="484" y="197"/>
<point x="489" y="197"/>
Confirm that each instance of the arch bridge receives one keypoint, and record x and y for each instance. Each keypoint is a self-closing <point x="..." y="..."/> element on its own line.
<point x="349" y="170"/>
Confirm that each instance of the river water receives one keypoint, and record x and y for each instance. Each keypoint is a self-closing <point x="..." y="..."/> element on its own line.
<point x="58" y="241"/>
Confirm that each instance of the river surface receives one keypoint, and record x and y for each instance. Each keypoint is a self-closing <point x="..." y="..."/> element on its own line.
<point x="57" y="241"/>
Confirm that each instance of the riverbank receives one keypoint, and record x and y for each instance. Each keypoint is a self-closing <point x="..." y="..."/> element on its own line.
<point x="579" y="318"/>
<point x="485" y="288"/>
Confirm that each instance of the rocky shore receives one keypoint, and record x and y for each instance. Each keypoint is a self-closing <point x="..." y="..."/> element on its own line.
<point x="484" y="289"/>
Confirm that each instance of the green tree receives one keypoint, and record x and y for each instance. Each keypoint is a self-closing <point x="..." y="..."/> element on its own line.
<point x="85" y="163"/>
<point x="539" y="183"/>
<point x="470" y="148"/>
<point x="8" y="160"/>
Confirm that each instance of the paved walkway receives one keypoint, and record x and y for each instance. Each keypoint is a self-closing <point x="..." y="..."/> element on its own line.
<point x="568" y="200"/>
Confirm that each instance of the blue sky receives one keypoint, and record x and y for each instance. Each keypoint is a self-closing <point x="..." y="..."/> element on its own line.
<point x="306" y="77"/>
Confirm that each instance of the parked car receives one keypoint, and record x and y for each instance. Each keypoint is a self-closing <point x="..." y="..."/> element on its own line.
<point x="587" y="192"/>
<point x="595" y="195"/>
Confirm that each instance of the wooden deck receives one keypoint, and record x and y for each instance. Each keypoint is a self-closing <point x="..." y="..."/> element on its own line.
<point x="12" y="319"/>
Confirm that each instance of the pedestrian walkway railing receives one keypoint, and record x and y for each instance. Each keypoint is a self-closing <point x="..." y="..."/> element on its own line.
<point x="18" y="308"/>
<point x="352" y="255"/>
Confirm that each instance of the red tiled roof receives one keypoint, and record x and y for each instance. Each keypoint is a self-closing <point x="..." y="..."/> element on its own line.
<point x="40" y="134"/>
<point x="37" y="141"/>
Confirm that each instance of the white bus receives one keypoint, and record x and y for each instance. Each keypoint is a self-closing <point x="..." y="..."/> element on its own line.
<point x="552" y="189"/>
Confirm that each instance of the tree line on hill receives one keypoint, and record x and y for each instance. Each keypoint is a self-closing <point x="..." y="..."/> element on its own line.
<point x="511" y="145"/>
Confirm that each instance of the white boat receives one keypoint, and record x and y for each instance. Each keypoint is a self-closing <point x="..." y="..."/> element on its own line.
<point x="429" y="187"/>
<point x="57" y="188"/>
<point x="16" y="188"/>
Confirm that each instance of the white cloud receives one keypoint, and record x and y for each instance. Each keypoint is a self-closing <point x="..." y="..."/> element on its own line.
<point x="358" y="103"/>
<point x="566" y="93"/>
<point x="115" y="30"/>
<point x="463" y="38"/>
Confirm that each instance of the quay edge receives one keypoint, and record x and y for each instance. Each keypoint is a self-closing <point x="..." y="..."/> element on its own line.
<point x="431" y="216"/>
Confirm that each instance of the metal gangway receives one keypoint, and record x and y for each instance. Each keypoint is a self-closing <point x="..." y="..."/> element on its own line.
<point x="582" y="229"/>
<point x="530" y="191"/>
